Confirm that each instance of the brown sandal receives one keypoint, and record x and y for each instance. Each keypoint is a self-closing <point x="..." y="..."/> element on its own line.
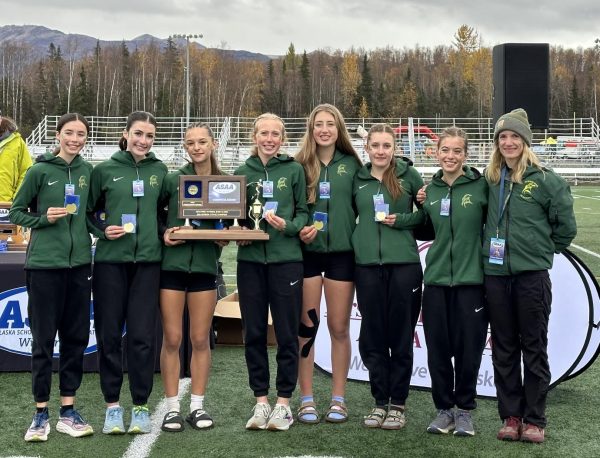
<point x="306" y="411"/>
<point x="394" y="419"/>
<point x="339" y="408"/>
<point x="375" y="419"/>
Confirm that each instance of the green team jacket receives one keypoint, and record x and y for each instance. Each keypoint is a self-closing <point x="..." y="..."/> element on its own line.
<point x="193" y="255"/>
<point x="341" y="216"/>
<point x="454" y="257"/>
<point x="66" y="243"/>
<point x="289" y="191"/>
<point x="538" y="221"/>
<point x="112" y="192"/>
<point x="377" y="243"/>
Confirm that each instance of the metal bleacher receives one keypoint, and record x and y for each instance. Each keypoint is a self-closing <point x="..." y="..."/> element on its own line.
<point x="576" y="163"/>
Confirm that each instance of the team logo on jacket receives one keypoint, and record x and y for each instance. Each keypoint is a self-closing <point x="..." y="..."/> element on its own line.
<point x="341" y="170"/>
<point x="528" y="187"/>
<point x="281" y="183"/>
<point x="153" y="181"/>
<point x="82" y="183"/>
<point x="466" y="200"/>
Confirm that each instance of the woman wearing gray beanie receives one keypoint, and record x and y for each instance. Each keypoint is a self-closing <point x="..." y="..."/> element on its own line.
<point x="530" y="217"/>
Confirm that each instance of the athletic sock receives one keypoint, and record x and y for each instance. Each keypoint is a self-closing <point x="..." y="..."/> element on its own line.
<point x="308" y="416"/>
<point x="196" y="402"/>
<point x="336" y="415"/>
<point x="64" y="408"/>
<point x="173" y="404"/>
<point x="41" y="409"/>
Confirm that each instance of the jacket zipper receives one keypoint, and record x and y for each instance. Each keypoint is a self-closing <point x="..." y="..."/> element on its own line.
<point x="451" y="237"/>
<point x="70" y="227"/>
<point x="137" y="217"/>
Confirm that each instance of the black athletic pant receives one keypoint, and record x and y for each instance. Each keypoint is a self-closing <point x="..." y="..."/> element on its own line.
<point x="519" y="309"/>
<point x="59" y="300"/>
<point x="126" y="294"/>
<point x="455" y="323"/>
<point x="278" y="286"/>
<point x="389" y="300"/>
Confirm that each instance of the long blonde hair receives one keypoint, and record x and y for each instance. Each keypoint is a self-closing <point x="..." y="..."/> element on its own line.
<point x="262" y="117"/>
<point x="389" y="179"/>
<point x="497" y="161"/>
<point x="307" y="155"/>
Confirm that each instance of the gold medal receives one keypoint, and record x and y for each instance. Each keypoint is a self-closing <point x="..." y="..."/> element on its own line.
<point x="318" y="225"/>
<point x="129" y="227"/>
<point x="71" y="208"/>
<point x="192" y="190"/>
<point x="380" y="216"/>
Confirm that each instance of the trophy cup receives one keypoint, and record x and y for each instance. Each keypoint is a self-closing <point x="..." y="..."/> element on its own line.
<point x="256" y="208"/>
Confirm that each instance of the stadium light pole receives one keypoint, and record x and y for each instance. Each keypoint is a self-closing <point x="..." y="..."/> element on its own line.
<point x="187" y="37"/>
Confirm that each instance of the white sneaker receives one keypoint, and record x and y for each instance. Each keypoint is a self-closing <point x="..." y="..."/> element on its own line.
<point x="260" y="417"/>
<point x="281" y="418"/>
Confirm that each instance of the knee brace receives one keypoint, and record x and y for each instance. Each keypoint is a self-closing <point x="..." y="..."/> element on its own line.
<point x="309" y="332"/>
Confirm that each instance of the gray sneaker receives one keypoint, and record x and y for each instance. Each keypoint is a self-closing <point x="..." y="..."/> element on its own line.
<point x="443" y="423"/>
<point x="260" y="416"/>
<point x="464" y="423"/>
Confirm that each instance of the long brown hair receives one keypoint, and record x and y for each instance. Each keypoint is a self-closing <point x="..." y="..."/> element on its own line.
<point x="262" y="117"/>
<point x="307" y="155"/>
<point x="214" y="165"/>
<point x="389" y="179"/>
<point x="143" y="116"/>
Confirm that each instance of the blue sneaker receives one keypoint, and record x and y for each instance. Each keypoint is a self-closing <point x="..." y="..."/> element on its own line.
<point x="140" y="420"/>
<point x="113" y="421"/>
<point x="73" y="424"/>
<point x="40" y="427"/>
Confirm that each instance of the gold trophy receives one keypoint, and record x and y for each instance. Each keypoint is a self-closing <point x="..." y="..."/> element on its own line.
<point x="255" y="210"/>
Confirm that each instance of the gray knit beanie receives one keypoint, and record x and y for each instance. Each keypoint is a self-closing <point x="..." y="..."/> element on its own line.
<point x="517" y="121"/>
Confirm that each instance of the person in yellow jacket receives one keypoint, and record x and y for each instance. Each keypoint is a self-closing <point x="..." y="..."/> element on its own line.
<point x="14" y="159"/>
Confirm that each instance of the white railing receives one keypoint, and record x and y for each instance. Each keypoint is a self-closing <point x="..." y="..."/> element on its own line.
<point x="235" y="139"/>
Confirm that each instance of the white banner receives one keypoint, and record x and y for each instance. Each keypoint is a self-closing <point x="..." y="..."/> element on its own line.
<point x="572" y="341"/>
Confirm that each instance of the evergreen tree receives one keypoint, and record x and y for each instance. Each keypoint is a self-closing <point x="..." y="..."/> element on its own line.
<point x="82" y="97"/>
<point x="306" y="102"/>
<point x="365" y="89"/>
<point x="125" y="82"/>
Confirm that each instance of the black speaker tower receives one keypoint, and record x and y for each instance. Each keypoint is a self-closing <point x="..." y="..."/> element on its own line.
<point x="521" y="77"/>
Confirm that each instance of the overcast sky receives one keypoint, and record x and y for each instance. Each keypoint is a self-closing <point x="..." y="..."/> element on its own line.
<point x="269" y="26"/>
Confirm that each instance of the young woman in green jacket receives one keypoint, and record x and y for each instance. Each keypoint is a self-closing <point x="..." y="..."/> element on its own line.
<point x="58" y="270"/>
<point x="269" y="273"/>
<point x="188" y="275"/>
<point x="454" y="314"/>
<point x="388" y="274"/>
<point x="330" y="163"/>
<point x="126" y="188"/>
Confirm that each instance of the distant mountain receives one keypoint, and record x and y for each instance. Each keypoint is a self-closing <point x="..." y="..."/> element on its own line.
<point x="40" y="37"/>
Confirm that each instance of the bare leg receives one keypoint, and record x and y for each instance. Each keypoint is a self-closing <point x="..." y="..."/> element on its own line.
<point x="201" y="306"/>
<point x="339" y="296"/>
<point x="172" y="304"/>
<point x="311" y="299"/>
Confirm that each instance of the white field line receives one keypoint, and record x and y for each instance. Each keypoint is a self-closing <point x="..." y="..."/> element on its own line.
<point x="140" y="446"/>
<point x="579" y="196"/>
<point x="585" y="250"/>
